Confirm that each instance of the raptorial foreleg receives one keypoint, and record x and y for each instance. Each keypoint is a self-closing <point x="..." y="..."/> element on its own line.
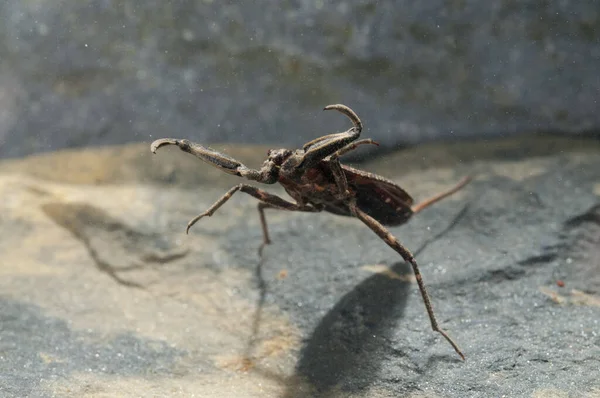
<point x="219" y="160"/>
<point x="319" y="148"/>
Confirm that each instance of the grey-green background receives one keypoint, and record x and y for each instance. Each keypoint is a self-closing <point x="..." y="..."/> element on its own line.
<point x="79" y="73"/>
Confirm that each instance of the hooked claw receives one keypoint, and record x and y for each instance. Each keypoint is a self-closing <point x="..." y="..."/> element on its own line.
<point x="169" y="141"/>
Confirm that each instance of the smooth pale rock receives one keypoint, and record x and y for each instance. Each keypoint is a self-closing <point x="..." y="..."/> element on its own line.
<point x="103" y="294"/>
<point x="98" y="72"/>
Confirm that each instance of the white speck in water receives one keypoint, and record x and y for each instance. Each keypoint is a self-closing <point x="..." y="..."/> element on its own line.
<point x="43" y="29"/>
<point x="141" y="74"/>
<point x="187" y="35"/>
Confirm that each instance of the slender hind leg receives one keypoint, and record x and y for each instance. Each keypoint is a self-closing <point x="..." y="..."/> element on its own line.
<point x="392" y="242"/>
<point x="428" y="202"/>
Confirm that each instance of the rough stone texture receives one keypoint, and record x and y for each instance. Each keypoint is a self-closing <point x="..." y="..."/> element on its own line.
<point x="103" y="72"/>
<point x="102" y="293"/>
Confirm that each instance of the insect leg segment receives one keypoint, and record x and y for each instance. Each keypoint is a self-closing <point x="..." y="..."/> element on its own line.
<point x="326" y="139"/>
<point x="340" y="177"/>
<point x="348" y="112"/>
<point x="352" y="146"/>
<point x="288" y="206"/>
<point x="210" y="156"/>
<point x="263" y="222"/>
<point x="385" y="235"/>
<point x="315" y="152"/>
<point x="269" y="199"/>
<point x="428" y="202"/>
<point x="319" y="148"/>
<point x="336" y="168"/>
<point x="218" y="159"/>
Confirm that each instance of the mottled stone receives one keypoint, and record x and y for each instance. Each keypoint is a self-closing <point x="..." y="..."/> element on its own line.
<point x="103" y="294"/>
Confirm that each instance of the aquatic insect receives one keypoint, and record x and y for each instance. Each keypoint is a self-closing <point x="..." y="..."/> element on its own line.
<point x="314" y="177"/>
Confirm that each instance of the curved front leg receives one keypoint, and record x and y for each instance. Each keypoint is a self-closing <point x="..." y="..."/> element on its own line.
<point x="219" y="160"/>
<point x="319" y="148"/>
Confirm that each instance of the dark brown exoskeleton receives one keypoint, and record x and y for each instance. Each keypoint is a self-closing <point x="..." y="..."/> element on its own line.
<point x="315" y="179"/>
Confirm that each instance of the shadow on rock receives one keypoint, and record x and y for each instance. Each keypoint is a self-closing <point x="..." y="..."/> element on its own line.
<point x="344" y="351"/>
<point x="115" y="247"/>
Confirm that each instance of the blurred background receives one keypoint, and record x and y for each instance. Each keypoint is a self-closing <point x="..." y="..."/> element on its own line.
<point x="86" y="73"/>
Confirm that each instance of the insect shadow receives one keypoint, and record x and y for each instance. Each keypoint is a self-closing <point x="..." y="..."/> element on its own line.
<point x="346" y="349"/>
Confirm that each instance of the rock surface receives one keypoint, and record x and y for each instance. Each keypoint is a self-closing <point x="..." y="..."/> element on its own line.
<point x="103" y="294"/>
<point x="98" y="72"/>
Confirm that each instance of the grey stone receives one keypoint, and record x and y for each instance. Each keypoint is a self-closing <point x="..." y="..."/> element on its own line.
<point x="97" y="72"/>
<point x="103" y="294"/>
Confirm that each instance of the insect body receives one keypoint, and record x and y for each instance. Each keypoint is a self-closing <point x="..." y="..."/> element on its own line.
<point x="315" y="179"/>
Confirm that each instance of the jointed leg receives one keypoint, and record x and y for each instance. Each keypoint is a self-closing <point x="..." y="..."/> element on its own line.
<point x="263" y="220"/>
<point x="319" y="148"/>
<point x="218" y="160"/>
<point x="291" y="207"/>
<point x="346" y="111"/>
<point x="336" y="167"/>
<point x="265" y="197"/>
<point x="333" y="146"/>
<point x="384" y="234"/>
<point x="325" y="140"/>
<point x="353" y="145"/>
<point x="428" y="202"/>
